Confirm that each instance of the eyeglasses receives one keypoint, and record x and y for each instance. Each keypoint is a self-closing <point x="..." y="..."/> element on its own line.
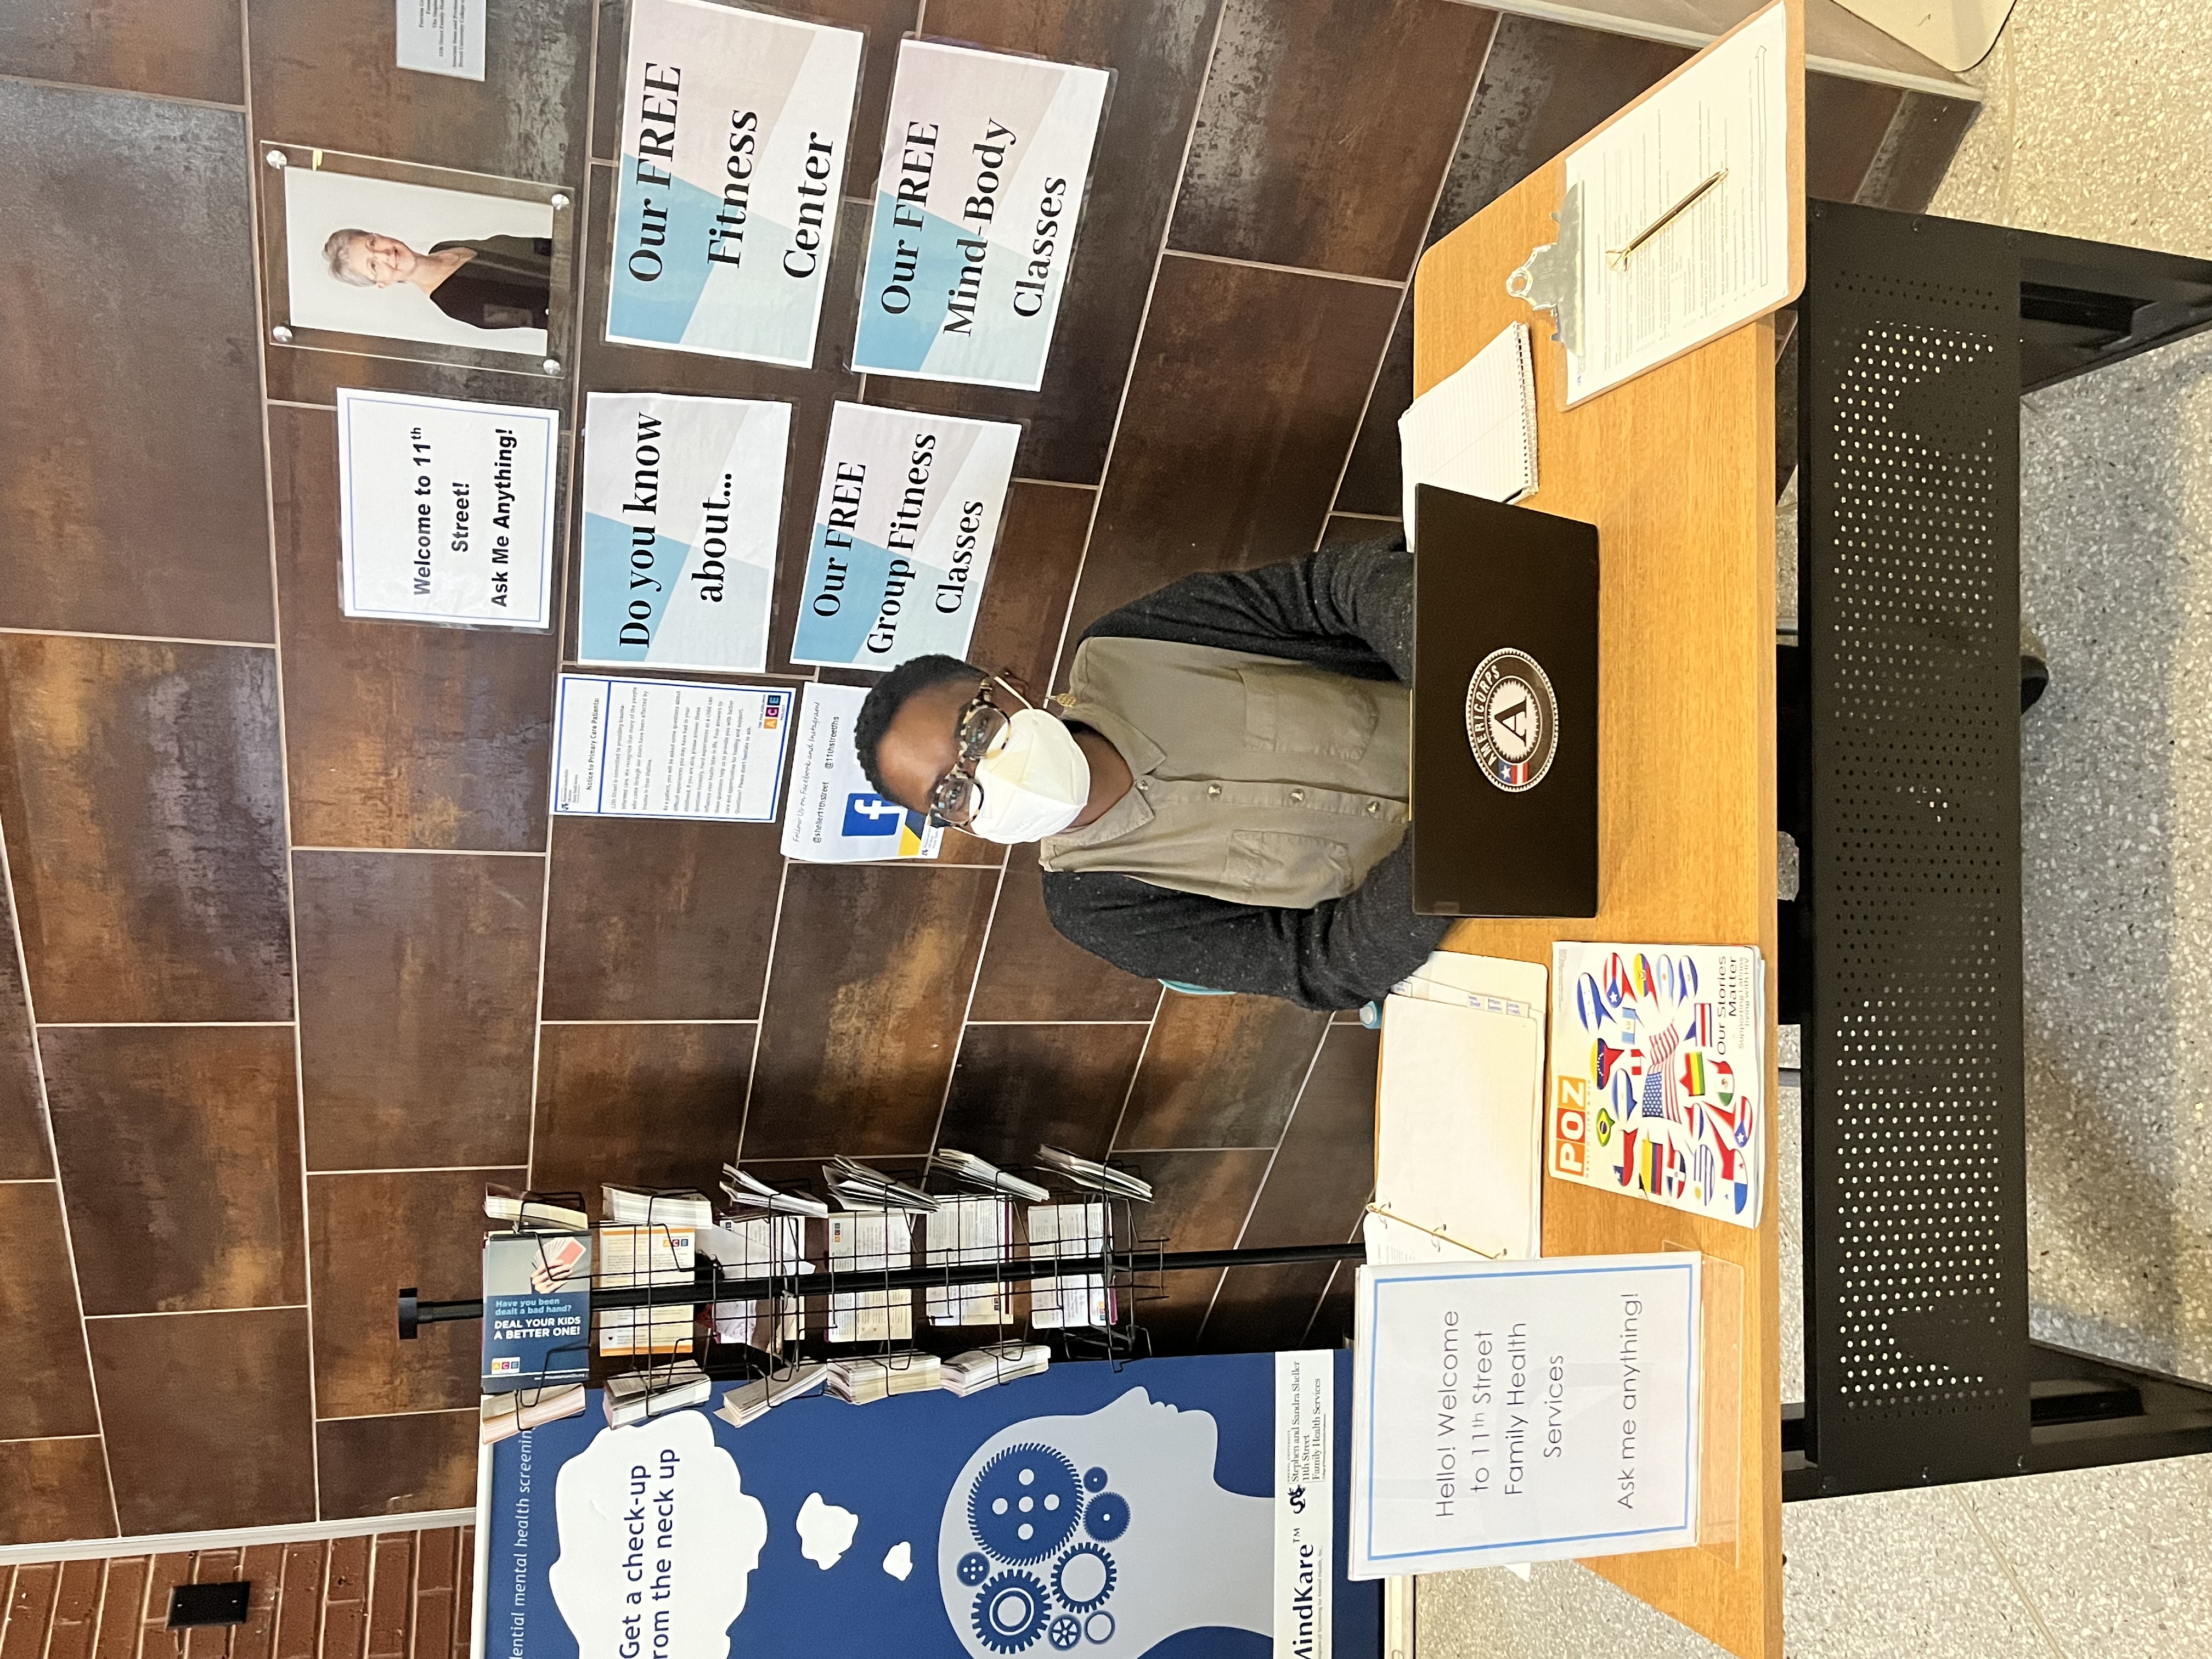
<point x="957" y="797"/>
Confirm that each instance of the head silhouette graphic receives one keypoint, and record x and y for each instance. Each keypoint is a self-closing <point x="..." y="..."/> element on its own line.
<point x="1103" y="1534"/>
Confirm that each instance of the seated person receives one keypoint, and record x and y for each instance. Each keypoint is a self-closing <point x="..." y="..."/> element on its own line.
<point x="1220" y="797"/>
<point x="495" y="281"/>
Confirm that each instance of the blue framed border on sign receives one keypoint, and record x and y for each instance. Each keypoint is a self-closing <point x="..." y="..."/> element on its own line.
<point x="1378" y="1279"/>
<point x="786" y="720"/>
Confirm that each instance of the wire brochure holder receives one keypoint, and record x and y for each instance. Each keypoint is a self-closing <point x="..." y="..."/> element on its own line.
<point x="798" y="1300"/>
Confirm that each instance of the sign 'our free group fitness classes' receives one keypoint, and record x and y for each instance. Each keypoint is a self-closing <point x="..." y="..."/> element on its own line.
<point x="984" y="158"/>
<point x="904" y="527"/>
<point x="733" y="156"/>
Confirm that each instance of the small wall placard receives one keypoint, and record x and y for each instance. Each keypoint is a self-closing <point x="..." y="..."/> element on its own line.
<point x="445" y="509"/>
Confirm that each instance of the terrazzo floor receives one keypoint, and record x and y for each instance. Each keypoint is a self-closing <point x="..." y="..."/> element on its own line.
<point x="2097" y="123"/>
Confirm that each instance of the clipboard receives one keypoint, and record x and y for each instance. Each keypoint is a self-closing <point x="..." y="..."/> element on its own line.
<point x="1679" y="221"/>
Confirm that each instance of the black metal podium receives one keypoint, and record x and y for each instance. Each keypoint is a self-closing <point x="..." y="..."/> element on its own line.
<point x="1899" y="778"/>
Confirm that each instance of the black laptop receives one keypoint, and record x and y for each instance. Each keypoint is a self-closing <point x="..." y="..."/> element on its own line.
<point x="1505" y="786"/>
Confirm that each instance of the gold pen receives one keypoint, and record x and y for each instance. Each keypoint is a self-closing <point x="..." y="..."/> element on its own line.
<point x="1616" y="258"/>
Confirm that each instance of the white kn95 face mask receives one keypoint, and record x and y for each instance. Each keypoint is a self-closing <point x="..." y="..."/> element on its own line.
<point x="1035" y="780"/>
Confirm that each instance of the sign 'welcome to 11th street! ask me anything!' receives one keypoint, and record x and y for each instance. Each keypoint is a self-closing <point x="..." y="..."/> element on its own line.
<point x="904" y="527"/>
<point x="445" y="509"/>
<point x="732" y="152"/>
<point x="984" y="158"/>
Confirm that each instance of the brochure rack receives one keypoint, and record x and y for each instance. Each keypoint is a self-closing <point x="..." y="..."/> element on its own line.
<point x="1131" y="1268"/>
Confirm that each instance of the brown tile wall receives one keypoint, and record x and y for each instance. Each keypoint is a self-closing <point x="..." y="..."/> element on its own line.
<point x="292" y="959"/>
<point x="392" y="1595"/>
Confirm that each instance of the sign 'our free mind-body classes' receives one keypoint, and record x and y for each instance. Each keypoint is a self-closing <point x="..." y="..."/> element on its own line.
<point x="984" y="158"/>
<point x="733" y="153"/>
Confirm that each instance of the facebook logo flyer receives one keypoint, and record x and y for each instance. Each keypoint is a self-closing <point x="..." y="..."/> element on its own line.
<point x="682" y="498"/>
<point x="1505" y="1412"/>
<point x="984" y="163"/>
<point x="1175" y="1507"/>
<point x="732" y="152"/>
<point x="836" y="817"/>
<point x="904" y="527"/>
<point x="669" y="749"/>
<point x="446" y="510"/>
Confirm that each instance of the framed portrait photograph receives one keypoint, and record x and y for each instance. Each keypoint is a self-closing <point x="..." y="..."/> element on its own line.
<point x="392" y="259"/>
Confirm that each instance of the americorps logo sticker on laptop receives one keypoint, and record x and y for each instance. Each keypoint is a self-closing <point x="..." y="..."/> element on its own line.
<point x="1512" y="720"/>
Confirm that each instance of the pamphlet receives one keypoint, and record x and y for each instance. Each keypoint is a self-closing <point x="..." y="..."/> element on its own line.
<point x="835" y="815"/>
<point x="1659" y="1074"/>
<point x="538" y="1310"/>
<point x="669" y="749"/>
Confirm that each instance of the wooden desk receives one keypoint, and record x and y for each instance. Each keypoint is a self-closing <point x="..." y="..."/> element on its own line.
<point x="1676" y="470"/>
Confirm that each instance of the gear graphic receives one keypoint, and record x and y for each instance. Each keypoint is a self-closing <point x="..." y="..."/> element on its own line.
<point x="1010" y="1613"/>
<point x="1067" y="1631"/>
<point x="1106" y="1518"/>
<point x="1099" y="1627"/>
<point x="1092" y="1580"/>
<point x="1024" y="1503"/>
<point x="973" y="1570"/>
<point x="1094" y="1479"/>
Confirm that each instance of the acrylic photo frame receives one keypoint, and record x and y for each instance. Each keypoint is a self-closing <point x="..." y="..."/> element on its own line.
<point x="308" y="196"/>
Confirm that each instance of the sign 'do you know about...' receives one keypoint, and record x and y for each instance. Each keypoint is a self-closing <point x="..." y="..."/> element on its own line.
<point x="985" y="159"/>
<point x="683" y="497"/>
<point x="446" y="510"/>
<point x="903" y="528"/>
<point x="732" y="156"/>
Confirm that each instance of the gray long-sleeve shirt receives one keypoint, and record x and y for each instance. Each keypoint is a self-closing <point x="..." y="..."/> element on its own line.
<point x="1349" y="610"/>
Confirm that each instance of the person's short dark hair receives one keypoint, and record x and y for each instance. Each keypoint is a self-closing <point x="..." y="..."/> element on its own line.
<point x="889" y="695"/>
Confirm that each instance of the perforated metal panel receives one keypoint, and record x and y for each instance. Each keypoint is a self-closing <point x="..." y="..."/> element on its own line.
<point x="1910" y="626"/>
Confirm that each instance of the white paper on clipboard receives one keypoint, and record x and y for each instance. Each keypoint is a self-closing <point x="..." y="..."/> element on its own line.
<point x="1458" y="1114"/>
<point x="1724" y="260"/>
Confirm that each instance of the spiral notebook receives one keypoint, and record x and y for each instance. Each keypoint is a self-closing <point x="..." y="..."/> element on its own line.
<point x="1474" y="431"/>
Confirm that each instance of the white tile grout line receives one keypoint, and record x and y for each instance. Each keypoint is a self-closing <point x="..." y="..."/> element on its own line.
<point x="432" y="851"/>
<point x="379" y="1416"/>
<point x="767" y="976"/>
<point x="975" y="979"/>
<point x="424" y="1169"/>
<point x="579" y="234"/>
<point x="254" y="181"/>
<point x="1161" y="1152"/>
<point x="1428" y="222"/>
<point x="2004" y="1564"/>
<point x="1287" y="271"/>
<point x="162" y="1024"/>
<point x="1137" y="349"/>
<point x="141" y="638"/>
<point x="649" y="1022"/>
<point x="1129" y="1089"/>
<point x="1060" y="1022"/>
<point x="193" y="1313"/>
<point x="54" y="1162"/>
<point x="1274" y="1152"/>
<point x="127" y="92"/>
